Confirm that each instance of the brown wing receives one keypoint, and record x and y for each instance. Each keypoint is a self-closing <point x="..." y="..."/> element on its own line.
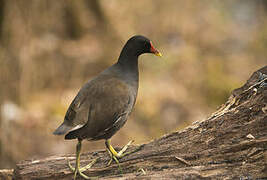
<point x="98" y="105"/>
<point x="111" y="100"/>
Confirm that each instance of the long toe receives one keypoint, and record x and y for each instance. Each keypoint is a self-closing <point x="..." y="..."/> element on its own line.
<point x="89" y="165"/>
<point x="111" y="157"/>
<point x="83" y="175"/>
<point x="81" y="170"/>
<point x="121" y="153"/>
<point x="130" y="152"/>
<point x="117" y="155"/>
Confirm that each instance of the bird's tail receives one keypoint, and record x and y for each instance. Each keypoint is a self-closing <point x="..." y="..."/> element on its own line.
<point x="62" y="129"/>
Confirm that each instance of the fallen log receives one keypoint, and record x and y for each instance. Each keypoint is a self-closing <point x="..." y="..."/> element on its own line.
<point x="230" y="144"/>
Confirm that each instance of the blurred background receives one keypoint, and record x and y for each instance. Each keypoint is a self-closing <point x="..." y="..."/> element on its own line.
<point x="48" y="49"/>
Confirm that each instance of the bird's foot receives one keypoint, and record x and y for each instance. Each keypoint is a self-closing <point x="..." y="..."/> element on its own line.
<point x="114" y="155"/>
<point x="78" y="170"/>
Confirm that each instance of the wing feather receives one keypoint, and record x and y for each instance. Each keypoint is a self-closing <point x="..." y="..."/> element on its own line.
<point x="107" y="98"/>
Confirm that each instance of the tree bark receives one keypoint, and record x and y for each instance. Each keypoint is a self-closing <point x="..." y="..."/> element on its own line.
<point x="230" y="144"/>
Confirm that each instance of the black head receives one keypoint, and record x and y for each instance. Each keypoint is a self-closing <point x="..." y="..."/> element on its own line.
<point x="138" y="45"/>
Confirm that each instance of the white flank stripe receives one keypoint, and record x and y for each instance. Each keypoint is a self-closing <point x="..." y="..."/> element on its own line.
<point x="77" y="127"/>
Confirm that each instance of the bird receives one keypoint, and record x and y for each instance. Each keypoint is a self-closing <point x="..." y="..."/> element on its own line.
<point x="103" y="104"/>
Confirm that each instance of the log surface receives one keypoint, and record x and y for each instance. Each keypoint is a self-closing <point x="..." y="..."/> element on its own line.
<point x="230" y="144"/>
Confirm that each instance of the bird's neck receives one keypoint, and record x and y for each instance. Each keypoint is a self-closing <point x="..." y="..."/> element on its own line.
<point x="128" y="62"/>
<point x="129" y="66"/>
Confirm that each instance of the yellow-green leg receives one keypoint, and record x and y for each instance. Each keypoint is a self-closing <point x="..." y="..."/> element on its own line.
<point x="77" y="168"/>
<point x="116" y="155"/>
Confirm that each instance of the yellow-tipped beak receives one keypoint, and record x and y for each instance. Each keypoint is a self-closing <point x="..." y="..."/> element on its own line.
<point x="154" y="50"/>
<point x="158" y="54"/>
